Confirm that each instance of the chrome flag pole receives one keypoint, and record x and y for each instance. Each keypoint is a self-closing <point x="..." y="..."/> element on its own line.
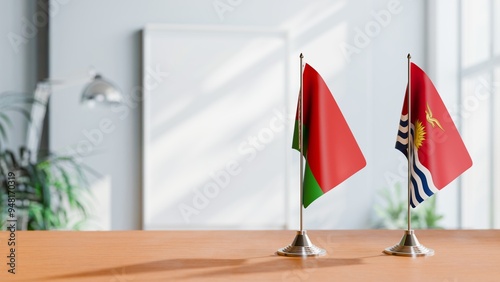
<point x="301" y="245"/>
<point x="409" y="245"/>
<point x="301" y="141"/>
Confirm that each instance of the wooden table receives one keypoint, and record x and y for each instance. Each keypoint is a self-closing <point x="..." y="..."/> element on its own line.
<point x="119" y="256"/>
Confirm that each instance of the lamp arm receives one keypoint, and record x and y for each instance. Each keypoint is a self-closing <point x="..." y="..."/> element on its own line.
<point x="42" y="94"/>
<point x="58" y="84"/>
<point x="38" y="111"/>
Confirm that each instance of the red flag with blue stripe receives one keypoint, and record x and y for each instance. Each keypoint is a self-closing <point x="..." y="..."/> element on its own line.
<point x="438" y="153"/>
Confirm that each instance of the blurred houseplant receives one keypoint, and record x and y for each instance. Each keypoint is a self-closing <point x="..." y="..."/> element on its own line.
<point x="49" y="192"/>
<point x="393" y="213"/>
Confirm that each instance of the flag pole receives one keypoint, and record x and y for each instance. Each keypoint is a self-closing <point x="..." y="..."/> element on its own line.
<point x="301" y="245"/>
<point x="301" y="141"/>
<point x="410" y="143"/>
<point x="409" y="246"/>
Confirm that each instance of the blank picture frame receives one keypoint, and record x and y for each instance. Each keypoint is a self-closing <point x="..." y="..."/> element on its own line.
<point x="216" y="127"/>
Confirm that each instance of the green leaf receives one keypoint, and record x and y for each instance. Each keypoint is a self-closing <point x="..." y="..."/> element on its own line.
<point x="55" y="186"/>
<point x="392" y="212"/>
<point x="3" y="134"/>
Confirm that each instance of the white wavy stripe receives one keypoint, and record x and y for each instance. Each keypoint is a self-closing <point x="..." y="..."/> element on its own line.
<point x="419" y="187"/>
<point x="404" y="130"/>
<point x="414" y="176"/>
<point x="401" y="140"/>
<point x="428" y="176"/>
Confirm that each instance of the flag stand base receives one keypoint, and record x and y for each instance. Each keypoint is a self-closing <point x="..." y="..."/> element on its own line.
<point x="301" y="247"/>
<point x="409" y="247"/>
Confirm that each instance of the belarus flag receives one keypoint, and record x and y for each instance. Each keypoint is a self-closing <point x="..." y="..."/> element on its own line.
<point x="331" y="152"/>
<point x="439" y="154"/>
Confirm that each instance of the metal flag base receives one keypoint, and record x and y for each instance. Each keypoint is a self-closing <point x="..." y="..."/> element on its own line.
<point x="301" y="247"/>
<point x="409" y="247"/>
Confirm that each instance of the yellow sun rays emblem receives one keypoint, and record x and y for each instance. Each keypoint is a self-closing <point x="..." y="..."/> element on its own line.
<point x="419" y="134"/>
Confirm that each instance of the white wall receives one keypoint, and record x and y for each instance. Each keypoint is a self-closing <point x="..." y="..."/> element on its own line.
<point x="368" y="86"/>
<point x="17" y="57"/>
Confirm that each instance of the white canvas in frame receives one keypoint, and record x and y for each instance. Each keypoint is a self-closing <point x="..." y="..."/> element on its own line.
<point x="215" y="128"/>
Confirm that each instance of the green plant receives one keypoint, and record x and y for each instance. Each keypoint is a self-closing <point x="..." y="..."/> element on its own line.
<point x="49" y="192"/>
<point x="393" y="213"/>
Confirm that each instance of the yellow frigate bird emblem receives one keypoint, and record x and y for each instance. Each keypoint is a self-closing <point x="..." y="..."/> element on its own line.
<point x="432" y="120"/>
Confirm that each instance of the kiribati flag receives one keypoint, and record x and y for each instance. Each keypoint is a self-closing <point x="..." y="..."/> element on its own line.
<point x="438" y="153"/>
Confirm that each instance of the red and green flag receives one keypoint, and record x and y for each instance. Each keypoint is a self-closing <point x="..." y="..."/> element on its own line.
<point x="331" y="152"/>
